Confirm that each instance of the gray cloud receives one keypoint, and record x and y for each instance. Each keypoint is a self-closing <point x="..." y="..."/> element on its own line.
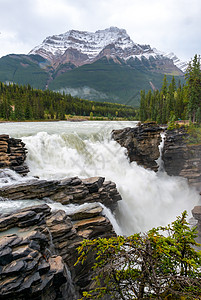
<point x="168" y="25"/>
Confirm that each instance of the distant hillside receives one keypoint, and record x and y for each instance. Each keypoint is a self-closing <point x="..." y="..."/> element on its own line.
<point x="106" y="80"/>
<point x="23" y="69"/>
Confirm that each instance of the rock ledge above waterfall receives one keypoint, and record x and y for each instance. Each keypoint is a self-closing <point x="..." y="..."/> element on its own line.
<point x="68" y="191"/>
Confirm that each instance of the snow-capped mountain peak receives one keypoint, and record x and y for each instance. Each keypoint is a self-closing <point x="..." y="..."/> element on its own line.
<point x="86" y="42"/>
<point x="81" y="47"/>
<point x="182" y="65"/>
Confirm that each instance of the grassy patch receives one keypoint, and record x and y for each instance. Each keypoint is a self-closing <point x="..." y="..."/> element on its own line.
<point x="194" y="135"/>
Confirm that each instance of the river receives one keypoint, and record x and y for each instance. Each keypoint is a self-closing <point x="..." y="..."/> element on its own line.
<point x="64" y="149"/>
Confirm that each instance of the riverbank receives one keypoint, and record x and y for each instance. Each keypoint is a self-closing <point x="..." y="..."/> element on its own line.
<point x="71" y="119"/>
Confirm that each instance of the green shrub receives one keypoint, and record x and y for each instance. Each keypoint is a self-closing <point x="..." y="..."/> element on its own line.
<point x="158" y="264"/>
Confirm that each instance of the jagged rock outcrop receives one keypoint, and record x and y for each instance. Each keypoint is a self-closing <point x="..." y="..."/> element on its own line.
<point x="26" y="271"/>
<point x="37" y="261"/>
<point x="181" y="158"/>
<point x="142" y="143"/>
<point x="13" y="154"/>
<point x="71" y="190"/>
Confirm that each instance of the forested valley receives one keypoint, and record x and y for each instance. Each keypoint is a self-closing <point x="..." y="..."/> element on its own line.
<point x="19" y="103"/>
<point x="172" y="103"/>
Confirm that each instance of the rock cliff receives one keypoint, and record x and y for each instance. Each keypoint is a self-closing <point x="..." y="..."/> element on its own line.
<point x="142" y="143"/>
<point x="181" y="158"/>
<point x="13" y="154"/>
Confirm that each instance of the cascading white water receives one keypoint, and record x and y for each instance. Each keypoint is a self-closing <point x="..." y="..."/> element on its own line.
<point x="160" y="160"/>
<point x="85" y="149"/>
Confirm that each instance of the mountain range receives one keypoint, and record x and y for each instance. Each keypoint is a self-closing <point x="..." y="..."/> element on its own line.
<point x="104" y="66"/>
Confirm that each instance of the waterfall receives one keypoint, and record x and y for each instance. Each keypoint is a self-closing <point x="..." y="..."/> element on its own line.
<point x="113" y="221"/>
<point x="69" y="289"/>
<point x="84" y="149"/>
<point x="8" y="177"/>
<point x="160" y="160"/>
<point x="51" y="248"/>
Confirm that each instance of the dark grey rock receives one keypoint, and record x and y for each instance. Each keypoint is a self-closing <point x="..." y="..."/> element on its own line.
<point x="141" y="143"/>
<point x="181" y="158"/>
<point x="6" y="256"/>
<point x="21" y="251"/>
<point x="14" y="267"/>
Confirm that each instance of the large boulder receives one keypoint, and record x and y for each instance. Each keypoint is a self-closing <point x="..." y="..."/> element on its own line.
<point x="142" y="143"/>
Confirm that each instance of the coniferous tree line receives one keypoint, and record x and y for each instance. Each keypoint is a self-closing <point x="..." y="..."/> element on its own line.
<point x="174" y="102"/>
<point x="25" y="103"/>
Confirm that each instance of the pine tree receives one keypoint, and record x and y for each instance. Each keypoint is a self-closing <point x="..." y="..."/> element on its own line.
<point x="193" y="76"/>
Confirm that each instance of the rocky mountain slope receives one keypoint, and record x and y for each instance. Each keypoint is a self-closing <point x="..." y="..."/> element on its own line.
<point x="105" y="66"/>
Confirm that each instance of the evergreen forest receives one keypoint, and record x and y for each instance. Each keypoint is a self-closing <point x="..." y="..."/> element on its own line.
<point x="18" y="103"/>
<point x="173" y="102"/>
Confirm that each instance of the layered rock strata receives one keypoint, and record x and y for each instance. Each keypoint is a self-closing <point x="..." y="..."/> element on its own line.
<point x="37" y="258"/>
<point x="67" y="191"/>
<point x="13" y="154"/>
<point x="181" y="158"/>
<point x="26" y="271"/>
<point x="142" y="143"/>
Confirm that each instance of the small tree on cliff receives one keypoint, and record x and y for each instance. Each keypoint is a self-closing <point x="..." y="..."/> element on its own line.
<point x="146" y="266"/>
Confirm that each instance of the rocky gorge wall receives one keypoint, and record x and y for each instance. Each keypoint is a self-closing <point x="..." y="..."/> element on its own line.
<point x="181" y="158"/>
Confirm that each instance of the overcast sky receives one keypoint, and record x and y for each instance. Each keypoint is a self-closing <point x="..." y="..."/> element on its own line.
<point x="168" y="25"/>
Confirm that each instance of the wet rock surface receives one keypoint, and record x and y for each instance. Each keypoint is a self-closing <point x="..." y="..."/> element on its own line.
<point x="182" y="159"/>
<point x="25" y="271"/>
<point x="13" y="154"/>
<point x="141" y="142"/>
<point x="68" y="191"/>
<point x="37" y="259"/>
